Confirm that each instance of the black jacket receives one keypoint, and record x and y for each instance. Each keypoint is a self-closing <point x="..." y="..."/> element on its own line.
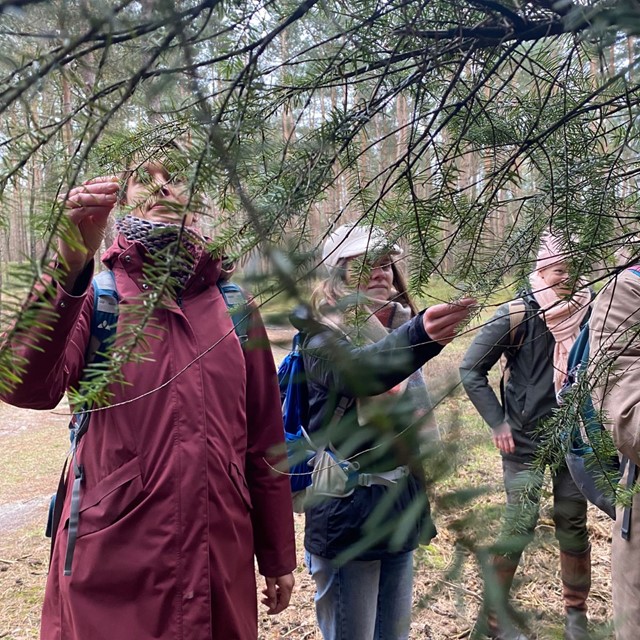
<point x="529" y="395"/>
<point x="335" y="368"/>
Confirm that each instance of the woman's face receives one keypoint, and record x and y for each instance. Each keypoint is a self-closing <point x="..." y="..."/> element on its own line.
<point x="557" y="277"/>
<point x="156" y="195"/>
<point x="377" y="284"/>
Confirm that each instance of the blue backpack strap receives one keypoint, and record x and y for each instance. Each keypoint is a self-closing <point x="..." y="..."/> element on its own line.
<point x="104" y="320"/>
<point x="579" y="353"/>
<point x="577" y="363"/>
<point x="105" y="315"/>
<point x="293" y="389"/>
<point x="238" y="305"/>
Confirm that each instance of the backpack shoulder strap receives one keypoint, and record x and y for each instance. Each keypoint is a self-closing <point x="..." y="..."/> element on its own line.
<point x="104" y="319"/>
<point x="517" y="325"/>
<point x="106" y="281"/>
<point x="105" y="314"/>
<point x="238" y="304"/>
<point x="517" y="318"/>
<point x="579" y="352"/>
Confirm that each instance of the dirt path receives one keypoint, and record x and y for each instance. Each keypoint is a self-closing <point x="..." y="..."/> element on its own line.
<point x="22" y="513"/>
<point x="280" y="338"/>
<point x="33" y="446"/>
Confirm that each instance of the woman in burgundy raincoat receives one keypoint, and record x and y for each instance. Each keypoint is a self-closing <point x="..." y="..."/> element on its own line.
<point x="178" y="495"/>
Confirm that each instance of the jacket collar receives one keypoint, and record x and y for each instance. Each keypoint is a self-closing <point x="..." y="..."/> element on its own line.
<point x="131" y="256"/>
<point x="529" y="298"/>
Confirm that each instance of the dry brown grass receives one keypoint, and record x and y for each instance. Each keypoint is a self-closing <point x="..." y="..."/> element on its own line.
<point x="32" y="450"/>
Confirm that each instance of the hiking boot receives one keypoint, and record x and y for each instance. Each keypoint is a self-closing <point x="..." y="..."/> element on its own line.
<point x="488" y="626"/>
<point x="575" y="626"/>
<point x="503" y="629"/>
<point x="575" y="569"/>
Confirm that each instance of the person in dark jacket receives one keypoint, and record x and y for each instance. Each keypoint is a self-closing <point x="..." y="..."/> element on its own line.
<point x="367" y="399"/>
<point x="177" y="494"/>
<point x="536" y="343"/>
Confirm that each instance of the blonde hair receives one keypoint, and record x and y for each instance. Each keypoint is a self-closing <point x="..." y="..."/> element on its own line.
<point x="335" y="287"/>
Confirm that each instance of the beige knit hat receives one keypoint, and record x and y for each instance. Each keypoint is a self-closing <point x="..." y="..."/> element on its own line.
<point x="349" y="241"/>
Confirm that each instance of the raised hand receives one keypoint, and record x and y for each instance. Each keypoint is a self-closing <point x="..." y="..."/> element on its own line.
<point x="442" y="320"/>
<point x="87" y="208"/>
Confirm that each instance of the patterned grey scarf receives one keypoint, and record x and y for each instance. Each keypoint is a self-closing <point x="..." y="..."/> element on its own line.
<point x="180" y="246"/>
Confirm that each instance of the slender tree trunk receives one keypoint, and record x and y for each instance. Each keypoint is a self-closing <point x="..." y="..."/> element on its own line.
<point x="35" y="196"/>
<point x="287" y="116"/>
<point x="67" y="133"/>
<point x="401" y="122"/>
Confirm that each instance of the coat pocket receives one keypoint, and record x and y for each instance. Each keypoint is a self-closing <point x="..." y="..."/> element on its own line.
<point x="240" y="483"/>
<point x="110" y="499"/>
<point x="516" y="404"/>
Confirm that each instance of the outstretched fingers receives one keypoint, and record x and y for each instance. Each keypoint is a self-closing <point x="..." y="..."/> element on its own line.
<point x="95" y="197"/>
<point x="95" y="186"/>
<point x="442" y="320"/>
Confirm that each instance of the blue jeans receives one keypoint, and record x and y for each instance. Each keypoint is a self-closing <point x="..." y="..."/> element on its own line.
<point x="363" y="599"/>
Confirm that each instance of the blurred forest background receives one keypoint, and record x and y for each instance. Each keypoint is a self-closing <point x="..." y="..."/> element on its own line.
<point x="466" y="127"/>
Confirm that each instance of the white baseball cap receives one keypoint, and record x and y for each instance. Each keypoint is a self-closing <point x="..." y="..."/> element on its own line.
<point x="350" y="240"/>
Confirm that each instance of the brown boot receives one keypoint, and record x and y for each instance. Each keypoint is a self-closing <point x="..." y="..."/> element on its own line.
<point x="575" y="569"/>
<point x="497" y="622"/>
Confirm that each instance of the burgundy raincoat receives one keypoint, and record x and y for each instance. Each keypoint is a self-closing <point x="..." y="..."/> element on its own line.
<point x="178" y="496"/>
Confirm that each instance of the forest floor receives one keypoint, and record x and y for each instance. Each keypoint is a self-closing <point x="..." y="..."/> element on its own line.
<point x="448" y="584"/>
